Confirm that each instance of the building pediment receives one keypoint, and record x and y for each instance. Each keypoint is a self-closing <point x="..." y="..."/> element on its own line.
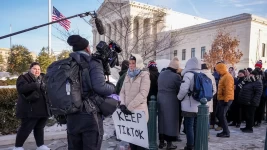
<point x="110" y="5"/>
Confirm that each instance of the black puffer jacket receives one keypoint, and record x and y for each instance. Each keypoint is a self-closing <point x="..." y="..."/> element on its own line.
<point x="32" y="102"/>
<point x="250" y="94"/>
<point x="154" y="75"/>
<point x="96" y="74"/>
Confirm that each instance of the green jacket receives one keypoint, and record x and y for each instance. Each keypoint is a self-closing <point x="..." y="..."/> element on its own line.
<point x="119" y="84"/>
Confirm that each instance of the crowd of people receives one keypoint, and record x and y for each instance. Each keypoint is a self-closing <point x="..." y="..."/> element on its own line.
<point x="235" y="99"/>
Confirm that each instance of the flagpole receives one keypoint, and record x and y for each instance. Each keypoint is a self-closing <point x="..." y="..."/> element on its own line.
<point x="49" y="26"/>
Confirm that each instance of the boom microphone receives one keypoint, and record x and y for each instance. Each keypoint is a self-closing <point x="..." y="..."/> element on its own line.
<point x="99" y="26"/>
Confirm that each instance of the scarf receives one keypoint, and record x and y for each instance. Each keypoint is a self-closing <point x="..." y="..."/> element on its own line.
<point x="133" y="73"/>
<point x="246" y="81"/>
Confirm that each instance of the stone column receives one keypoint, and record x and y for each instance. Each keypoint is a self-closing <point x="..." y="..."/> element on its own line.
<point x="140" y="36"/>
<point x="94" y="38"/>
<point x="123" y="36"/>
<point x="112" y="28"/>
<point x="130" y="34"/>
<point x="108" y="35"/>
<point x="118" y="31"/>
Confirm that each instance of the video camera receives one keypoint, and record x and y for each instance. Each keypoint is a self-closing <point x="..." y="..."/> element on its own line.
<point x="108" y="53"/>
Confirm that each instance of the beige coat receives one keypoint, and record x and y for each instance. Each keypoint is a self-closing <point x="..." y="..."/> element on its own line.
<point x="209" y="74"/>
<point x="134" y="92"/>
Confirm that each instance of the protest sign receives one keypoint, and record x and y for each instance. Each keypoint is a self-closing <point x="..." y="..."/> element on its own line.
<point x="131" y="128"/>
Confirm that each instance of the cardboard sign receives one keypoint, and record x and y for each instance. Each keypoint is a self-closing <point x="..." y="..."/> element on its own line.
<point x="131" y="128"/>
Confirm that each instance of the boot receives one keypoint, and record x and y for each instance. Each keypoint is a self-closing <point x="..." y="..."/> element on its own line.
<point x="170" y="146"/>
<point x="162" y="144"/>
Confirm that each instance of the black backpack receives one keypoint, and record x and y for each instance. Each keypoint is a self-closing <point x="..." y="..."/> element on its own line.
<point x="64" y="85"/>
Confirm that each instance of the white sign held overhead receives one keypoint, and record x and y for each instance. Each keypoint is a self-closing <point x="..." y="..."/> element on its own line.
<point x="131" y="128"/>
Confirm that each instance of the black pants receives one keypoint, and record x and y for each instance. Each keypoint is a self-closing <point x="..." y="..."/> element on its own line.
<point x="180" y="117"/>
<point x="213" y="114"/>
<point x="222" y="110"/>
<point x="236" y="112"/>
<point x="250" y="113"/>
<point x="135" y="147"/>
<point x="260" y="111"/>
<point x="27" y="125"/>
<point x="83" y="133"/>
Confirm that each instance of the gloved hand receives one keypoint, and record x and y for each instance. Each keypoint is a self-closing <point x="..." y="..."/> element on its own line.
<point x="225" y="104"/>
<point x="42" y="86"/>
<point x="38" y="85"/>
<point x="125" y="110"/>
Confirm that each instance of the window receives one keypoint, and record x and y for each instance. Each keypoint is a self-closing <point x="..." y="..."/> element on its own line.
<point x="203" y="50"/>
<point x="175" y="53"/>
<point x="184" y="54"/>
<point x="263" y="50"/>
<point x="193" y="51"/>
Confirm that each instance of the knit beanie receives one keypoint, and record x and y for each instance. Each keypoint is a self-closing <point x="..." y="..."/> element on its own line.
<point x="242" y="71"/>
<point x="152" y="64"/>
<point x="77" y="42"/>
<point x="174" y="63"/>
<point x="259" y="64"/>
<point x="125" y="65"/>
<point x="249" y="70"/>
<point x="204" y="66"/>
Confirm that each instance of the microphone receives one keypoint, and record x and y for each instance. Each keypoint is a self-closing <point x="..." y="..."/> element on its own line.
<point x="99" y="25"/>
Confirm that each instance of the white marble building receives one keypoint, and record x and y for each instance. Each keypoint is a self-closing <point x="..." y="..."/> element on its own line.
<point x="250" y="30"/>
<point x="195" y="34"/>
<point x="138" y="24"/>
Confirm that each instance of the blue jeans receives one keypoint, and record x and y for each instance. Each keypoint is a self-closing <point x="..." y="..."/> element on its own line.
<point x="190" y="128"/>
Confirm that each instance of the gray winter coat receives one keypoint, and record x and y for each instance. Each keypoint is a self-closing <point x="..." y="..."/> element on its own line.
<point x="188" y="102"/>
<point x="168" y="106"/>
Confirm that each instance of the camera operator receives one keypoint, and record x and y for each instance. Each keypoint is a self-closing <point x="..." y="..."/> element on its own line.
<point x="84" y="132"/>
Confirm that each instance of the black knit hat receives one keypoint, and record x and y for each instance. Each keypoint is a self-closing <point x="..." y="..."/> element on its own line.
<point x="132" y="58"/>
<point x="77" y="42"/>
<point x="204" y="66"/>
<point x="242" y="71"/>
<point x="249" y="70"/>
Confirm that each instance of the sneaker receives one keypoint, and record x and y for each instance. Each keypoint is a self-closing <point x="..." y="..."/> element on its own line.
<point x="43" y="147"/>
<point x="18" y="148"/>
<point x="218" y="129"/>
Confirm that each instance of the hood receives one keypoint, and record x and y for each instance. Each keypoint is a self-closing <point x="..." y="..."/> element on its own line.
<point x="139" y="61"/>
<point x="192" y="64"/>
<point x="221" y="68"/>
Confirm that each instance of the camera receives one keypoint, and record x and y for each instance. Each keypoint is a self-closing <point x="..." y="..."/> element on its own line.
<point x="108" y="53"/>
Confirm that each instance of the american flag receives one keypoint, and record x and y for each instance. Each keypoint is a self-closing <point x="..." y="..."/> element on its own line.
<point x="57" y="16"/>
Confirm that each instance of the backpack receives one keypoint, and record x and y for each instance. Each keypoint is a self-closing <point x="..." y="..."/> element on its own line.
<point x="202" y="87"/>
<point x="64" y="85"/>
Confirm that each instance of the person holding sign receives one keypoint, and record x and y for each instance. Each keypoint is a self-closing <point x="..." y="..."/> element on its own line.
<point x="135" y="90"/>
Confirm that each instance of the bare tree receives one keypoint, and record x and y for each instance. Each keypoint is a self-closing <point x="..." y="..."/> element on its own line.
<point x="63" y="34"/>
<point x="144" y="33"/>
